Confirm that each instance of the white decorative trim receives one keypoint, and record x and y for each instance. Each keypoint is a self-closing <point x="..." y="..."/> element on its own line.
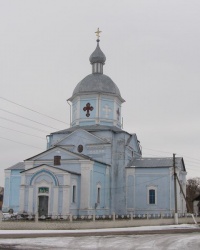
<point x="106" y="110"/>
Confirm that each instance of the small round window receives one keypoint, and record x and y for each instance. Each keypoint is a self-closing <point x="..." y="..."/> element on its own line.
<point x="80" y="148"/>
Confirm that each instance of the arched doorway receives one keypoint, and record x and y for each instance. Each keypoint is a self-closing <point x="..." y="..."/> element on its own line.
<point x="43" y="201"/>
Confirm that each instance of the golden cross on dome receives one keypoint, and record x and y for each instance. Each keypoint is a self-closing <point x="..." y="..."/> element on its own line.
<point x="97" y="33"/>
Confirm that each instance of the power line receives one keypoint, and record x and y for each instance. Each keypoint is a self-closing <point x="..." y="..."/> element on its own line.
<point x="191" y="158"/>
<point x="158" y="150"/>
<point x="27" y="118"/>
<point x="185" y="156"/>
<point x="32" y="110"/>
<point x="144" y="148"/>
<point x="23" y="132"/>
<point x="64" y="123"/>
<point x="68" y="124"/>
<point x="19" y="142"/>
<point x="23" y="124"/>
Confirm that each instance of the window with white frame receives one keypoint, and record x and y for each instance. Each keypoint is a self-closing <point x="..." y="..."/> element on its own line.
<point x="152" y="195"/>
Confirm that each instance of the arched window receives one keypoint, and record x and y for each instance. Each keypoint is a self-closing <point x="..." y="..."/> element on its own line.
<point x="152" y="195"/>
<point x="98" y="197"/>
<point x="74" y="193"/>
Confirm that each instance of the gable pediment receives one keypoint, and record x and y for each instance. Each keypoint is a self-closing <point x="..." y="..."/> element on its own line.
<point x="44" y="168"/>
<point x="56" y="151"/>
<point x="46" y="174"/>
<point x="80" y="137"/>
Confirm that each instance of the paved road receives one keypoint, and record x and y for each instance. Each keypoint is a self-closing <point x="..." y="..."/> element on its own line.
<point x="134" y="242"/>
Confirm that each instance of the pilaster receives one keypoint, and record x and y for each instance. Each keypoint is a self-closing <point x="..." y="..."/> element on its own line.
<point x="66" y="194"/>
<point x="55" y="200"/>
<point x="66" y="200"/>
<point x="85" y="184"/>
<point x="21" y="198"/>
<point x="30" y="200"/>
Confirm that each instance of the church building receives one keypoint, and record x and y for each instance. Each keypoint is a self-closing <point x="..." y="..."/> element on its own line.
<point x="94" y="165"/>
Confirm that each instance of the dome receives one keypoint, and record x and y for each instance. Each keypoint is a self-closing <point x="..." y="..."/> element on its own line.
<point x="97" y="83"/>
<point x="97" y="56"/>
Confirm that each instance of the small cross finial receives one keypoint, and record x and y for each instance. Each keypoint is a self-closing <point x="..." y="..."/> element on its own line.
<point x="97" y="33"/>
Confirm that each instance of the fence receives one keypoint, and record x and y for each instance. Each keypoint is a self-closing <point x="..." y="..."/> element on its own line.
<point x="33" y="222"/>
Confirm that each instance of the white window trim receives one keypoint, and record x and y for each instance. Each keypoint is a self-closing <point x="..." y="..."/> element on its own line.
<point x="153" y="187"/>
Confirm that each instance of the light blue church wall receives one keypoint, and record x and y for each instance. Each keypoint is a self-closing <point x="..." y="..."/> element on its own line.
<point x="14" y="184"/>
<point x="151" y="178"/>
<point x="72" y="167"/>
<point x="99" y="180"/>
<point x="104" y="135"/>
<point x="102" y="154"/>
<point x="118" y="174"/>
<point x="86" y="123"/>
<point x="130" y="193"/>
<point x="6" y="194"/>
<point x="75" y="108"/>
<point x="74" y="206"/>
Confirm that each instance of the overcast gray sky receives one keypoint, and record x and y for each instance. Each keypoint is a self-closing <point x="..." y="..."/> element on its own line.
<point x="153" y="55"/>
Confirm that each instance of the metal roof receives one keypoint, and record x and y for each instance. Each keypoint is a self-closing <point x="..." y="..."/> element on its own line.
<point x="156" y="162"/>
<point x="19" y="165"/>
<point x="96" y="83"/>
<point x="60" y="168"/>
<point x="71" y="152"/>
<point x="90" y="128"/>
<point x="97" y="56"/>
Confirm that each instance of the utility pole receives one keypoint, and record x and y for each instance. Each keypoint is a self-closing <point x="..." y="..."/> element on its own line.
<point x="175" y="192"/>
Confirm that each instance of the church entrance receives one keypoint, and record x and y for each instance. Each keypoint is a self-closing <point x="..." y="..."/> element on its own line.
<point x="43" y="205"/>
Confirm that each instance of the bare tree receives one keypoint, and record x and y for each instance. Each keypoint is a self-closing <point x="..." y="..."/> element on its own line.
<point x="192" y="190"/>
